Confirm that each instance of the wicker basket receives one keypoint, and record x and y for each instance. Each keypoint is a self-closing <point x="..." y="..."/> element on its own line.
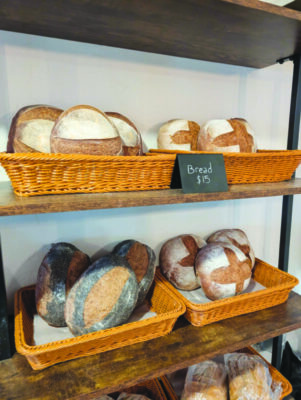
<point x="263" y="166"/>
<point x="275" y="374"/>
<point x="161" y="300"/>
<point x="38" y="174"/>
<point x="277" y="284"/>
<point x="151" y="389"/>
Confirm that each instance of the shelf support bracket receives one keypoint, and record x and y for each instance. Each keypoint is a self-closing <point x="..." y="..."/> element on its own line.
<point x="287" y="202"/>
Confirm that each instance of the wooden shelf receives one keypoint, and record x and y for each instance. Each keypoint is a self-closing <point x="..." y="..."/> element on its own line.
<point x="240" y="32"/>
<point x="87" y="377"/>
<point x="10" y="204"/>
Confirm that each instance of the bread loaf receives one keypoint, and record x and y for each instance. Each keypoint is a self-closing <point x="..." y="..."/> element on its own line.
<point x="222" y="270"/>
<point x="131" y="137"/>
<point x="59" y="270"/>
<point x="131" y="396"/>
<point x="103" y="297"/>
<point x="221" y="135"/>
<point x="237" y="237"/>
<point x="141" y="258"/>
<point x="177" y="258"/>
<point x="178" y="134"/>
<point x="85" y="130"/>
<point x="31" y="128"/>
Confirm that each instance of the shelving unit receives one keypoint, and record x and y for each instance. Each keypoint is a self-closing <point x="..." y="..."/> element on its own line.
<point x="238" y="32"/>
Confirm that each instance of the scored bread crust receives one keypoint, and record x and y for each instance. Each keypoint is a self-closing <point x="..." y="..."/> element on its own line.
<point x="107" y="146"/>
<point x="128" y="150"/>
<point x="25" y="114"/>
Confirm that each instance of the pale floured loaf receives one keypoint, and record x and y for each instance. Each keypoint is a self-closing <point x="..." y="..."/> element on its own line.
<point x="177" y="258"/>
<point x="131" y="137"/>
<point x="31" y="128"/>
<point x="232" y="135"/>
<point x="222" y="270"/>
<point x="84" y="129"/>
<point x="178" y="134"/>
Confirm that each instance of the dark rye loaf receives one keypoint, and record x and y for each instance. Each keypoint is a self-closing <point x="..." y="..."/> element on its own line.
<point x="103" y="297"/>
<point x="59" y="270"/>
<point x="142" y="260"/>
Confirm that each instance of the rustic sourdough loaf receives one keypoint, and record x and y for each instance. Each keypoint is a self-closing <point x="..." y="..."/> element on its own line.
<point x="141" y="258"/>
<point x="103" y="297"/>
<point x="59" y="270"/>
<point x="31" y="128"/>
<point x="177" y="258"/>
<point x="131" y="137"/>
<point x="178" y="134"/>
<point x="84" y="129"/>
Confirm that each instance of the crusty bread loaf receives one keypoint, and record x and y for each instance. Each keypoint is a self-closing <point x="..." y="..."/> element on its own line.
<point x="237" y="237"/>
<point x="131" y="137"/>
<point x="84" y="129"/>
<point x="177" y="258"/>
<point x="178" y="134"/>
<point x="222" y="270"/>
<point x="141" y="258"/>
<point x="132" y="396"/>
<point x="30" y="129"/>
<point x="221" y="135"/>
<point x="103" y="297"/>
<point x="61" y="267"/>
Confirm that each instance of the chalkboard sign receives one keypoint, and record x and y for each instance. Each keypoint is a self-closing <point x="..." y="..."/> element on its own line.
<point x="199" y="173"/>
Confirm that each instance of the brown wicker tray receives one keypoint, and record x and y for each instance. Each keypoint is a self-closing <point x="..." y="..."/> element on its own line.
<point x="277" y="284"/>
<point x="263" y="166"/>
<point x="160" y="299"/>
<point x="275" y="374"/>
<point x="34" y="174"/>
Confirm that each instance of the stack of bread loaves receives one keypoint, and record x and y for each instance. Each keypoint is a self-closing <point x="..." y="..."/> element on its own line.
<point x="222" y="266"/>
<point x="70" y="291"/>
<point x="80" y="129"/>
<point x="218" y="135"/>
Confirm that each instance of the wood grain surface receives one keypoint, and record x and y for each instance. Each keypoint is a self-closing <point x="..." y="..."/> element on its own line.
<point x="88" y="377"/>
<point x="241" y="32"/>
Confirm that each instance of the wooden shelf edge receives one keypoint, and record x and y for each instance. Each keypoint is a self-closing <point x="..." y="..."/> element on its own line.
<point x="10" y="204"/>
<point x="111" y="371"/>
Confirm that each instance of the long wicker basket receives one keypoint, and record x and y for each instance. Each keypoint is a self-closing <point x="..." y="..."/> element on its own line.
<point x="263" y="166"/>
<point x="161" y="300"/>
<point x="275" y="374"/>
<point x="39" y="174"/>
<point x="277" y="284"/>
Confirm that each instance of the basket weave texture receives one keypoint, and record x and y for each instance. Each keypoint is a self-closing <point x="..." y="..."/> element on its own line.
<point x="39" y="174"/>
<point x="260" y="167"/>
<point x="160" y="299"/>
<point x="275" y="374"/>
<point x="277" y="284"/>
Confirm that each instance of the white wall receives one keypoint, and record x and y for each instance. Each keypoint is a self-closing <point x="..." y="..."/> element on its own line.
<point x="150" y="89"/>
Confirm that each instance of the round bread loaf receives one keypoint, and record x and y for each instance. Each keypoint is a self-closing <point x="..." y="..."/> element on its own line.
<point x="222" y="270"/>
<point x="31" y="128"/>
<point x="85" y="130"/>
<point x="59" y="270"/>
<point x="131" y="137"/>
<point x="177" y="258"/>
<point x="237" y="237"/>
<point x="178" y="134"/>
<point x="232" y="135"/>
<point x="103" y="297"/>
<point x="141" y="258"/>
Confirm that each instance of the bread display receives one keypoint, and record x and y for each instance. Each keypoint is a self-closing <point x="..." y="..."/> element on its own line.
<point x="30" y="129"/>
<point x="85" y="130"/>
<point x="103" y="297"/>
<point x="141" y="258"/>
<point x="205" y="381"/>
<point x="221" y="135"/>
<point x="177" y="258"/>
<point x="237" y="237"/>
<point x="59" y="270"/>
<point x="222" y="270"/>
<point x="178" y="134"/>
<point x="131" y="137"/>
<point x="130" y="396"/>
